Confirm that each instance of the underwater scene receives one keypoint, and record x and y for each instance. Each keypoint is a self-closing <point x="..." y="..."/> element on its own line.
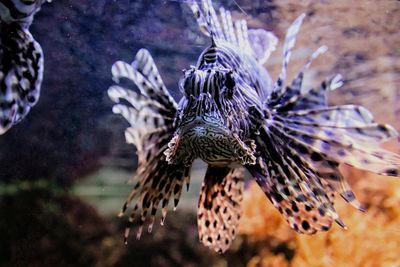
<point x="199" y="133"/>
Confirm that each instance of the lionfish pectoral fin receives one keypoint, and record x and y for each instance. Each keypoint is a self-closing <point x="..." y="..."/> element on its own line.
<point x="332" y="134"/>
<point x="151" y="114"/>
<point x="157" y="183"/>
<point x="302" y="141"/>
<point x="307" y="206"/>
<point x="219" y="207"/>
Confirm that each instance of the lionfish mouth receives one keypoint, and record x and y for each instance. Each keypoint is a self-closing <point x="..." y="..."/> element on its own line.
<point x="210" y="141"/>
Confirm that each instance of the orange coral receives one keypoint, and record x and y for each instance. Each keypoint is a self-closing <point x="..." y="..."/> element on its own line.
<point x="260" y="219"/>
<point x="372" y="239"/>
<point x="268" y="261"/>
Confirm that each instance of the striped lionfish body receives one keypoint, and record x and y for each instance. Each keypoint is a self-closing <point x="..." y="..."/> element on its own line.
<point x="234" y="118"/>
<point x="21" y="67"/>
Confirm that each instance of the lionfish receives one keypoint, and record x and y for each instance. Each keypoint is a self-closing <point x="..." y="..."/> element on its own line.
<point x="21" y="67"/>
<point x="234" y="118"/>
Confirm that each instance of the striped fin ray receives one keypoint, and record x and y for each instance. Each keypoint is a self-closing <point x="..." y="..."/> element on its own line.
<point x="240" y="33"/>
<point x="360" y="156"/>
<point x="333" y="180"/>
<point x="207" y="19"/>
<point x="305" y="213"/>
<point x="257" y="43"/>
<point x="371" y="133"/>
<point x="213" y="19"/>
<point x="144" y="64"/>
<point x="312" y="150"/>
<point x="228" y="26"/>
<point x="305" y="178"/>
<point x="348" y="124"/>
<point x="331" y="116"/>
<point x="294" y="99"/>
<point x="290" y="40"/>
<point x="325" y="172"/>
<point x="210" y="25"/>
<point x="201" y="21"/>
<point x="151" y="114"/>
<point x="219" y="208"/>
<point x="144" y="73"/>
<point x="302" y="141"/>
<point x="158" y="182"/>
<point x="298" y="187"/>
<point x="143" y="114"/>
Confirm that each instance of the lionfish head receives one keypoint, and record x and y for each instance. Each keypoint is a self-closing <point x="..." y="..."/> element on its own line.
<point x="208" y="123"/>
<point x="208" y="94"/>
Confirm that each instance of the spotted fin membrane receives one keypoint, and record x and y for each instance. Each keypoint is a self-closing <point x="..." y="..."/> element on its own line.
<point x="151" y="116"/>
<point x="21" y="67"/>
<point x="219" y="208"/>
<point x="302" y="141"/>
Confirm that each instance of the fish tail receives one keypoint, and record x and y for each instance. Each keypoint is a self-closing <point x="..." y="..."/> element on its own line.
<point x="151" y="113"/>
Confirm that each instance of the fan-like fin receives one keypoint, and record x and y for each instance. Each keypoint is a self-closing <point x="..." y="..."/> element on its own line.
<point x="144" y="73"/>
<point x="333" y="116"/>
<point x="301" y="142"/>
<point x="207" y="19"/>
<point x="312" y="172"/>
<point x="360" y="156"/>
<point x="21" y="73"/>
<point x="290" y="40"/>
<point x="294" y="99"/>
<point x="372" y="134"/>
<point x="228" y="26"/>
<point x="219" y="208"/>
<point x="306" y="213"/>
<point x="151" y="115"/>
<point x="257" y="43"/>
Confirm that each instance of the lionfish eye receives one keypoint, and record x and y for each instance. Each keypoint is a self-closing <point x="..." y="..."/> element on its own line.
<point x="230" y="84"/>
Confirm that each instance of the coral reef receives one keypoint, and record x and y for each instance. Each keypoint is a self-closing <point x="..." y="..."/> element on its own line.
<point x="372" y="239"/>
